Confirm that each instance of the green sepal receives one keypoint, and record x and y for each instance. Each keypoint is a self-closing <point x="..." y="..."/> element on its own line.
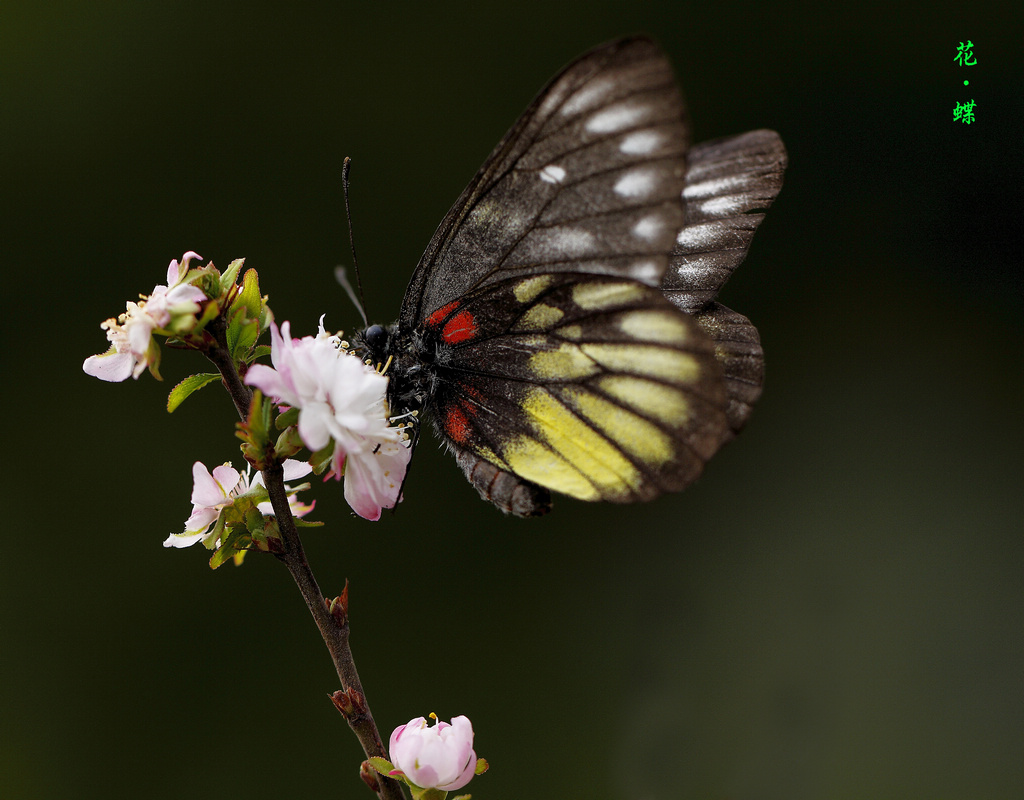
<point x="382" y="765"/>
<point x="266" y="316"/>
<point x="321" y="459"/>
<point x="288" y="443"/>
<point x="210" y="312"/>
<point x="287" y="418"/>
<point x="419" y="793"/>
<point x="193" y="383"/>
<point x="255" y="431"/>
<point x="206" y="278"/>
<point x="153" y="359"/>
<point x="462" y="797"/>
<point x="481" y="766"/>
<point x="259" y="351"/>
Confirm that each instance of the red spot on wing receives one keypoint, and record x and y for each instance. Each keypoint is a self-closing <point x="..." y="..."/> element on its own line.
<point x="456" y="425"/>
<point x="459" y="328"/>
<point x="438" y="316"/>
<point x="472" y="391"/>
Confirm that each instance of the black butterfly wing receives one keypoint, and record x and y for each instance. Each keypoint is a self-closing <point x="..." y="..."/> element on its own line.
<point x="589" y="385"/>
<point x="586" y="181"/>
<point x="555" y="359"/>
<point x="730" y="183"/>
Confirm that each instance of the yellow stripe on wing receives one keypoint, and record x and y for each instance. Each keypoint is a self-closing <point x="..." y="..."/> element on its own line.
<point x="588" y="466"/>
<point x="666" y="404"/>
<point x="639" y="437"/>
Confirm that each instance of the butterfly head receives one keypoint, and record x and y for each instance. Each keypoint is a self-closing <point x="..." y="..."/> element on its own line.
<point x="391" y="353"/>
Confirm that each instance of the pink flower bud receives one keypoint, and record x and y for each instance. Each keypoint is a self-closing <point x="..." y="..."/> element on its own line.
<point x="435" y="757"/>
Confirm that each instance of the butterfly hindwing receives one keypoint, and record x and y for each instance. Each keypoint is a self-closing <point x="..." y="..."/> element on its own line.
<point x="589" y="385"/>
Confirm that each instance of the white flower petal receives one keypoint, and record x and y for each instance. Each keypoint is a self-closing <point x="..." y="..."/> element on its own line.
<point x="293" y="468"/>
<point x="110" y="366"/>
<point x="183" y="539"/>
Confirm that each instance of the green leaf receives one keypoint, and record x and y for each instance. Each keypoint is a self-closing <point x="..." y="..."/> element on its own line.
<point x="220" y="558"/>
<point x="250" y="294"/>
<point x="193" y="383"/>
<point x="241" y="332"/>
<point x="230" y="275"/>
<point x="245" y="317"/>
<point x="254" y="521"/>
<point x="235" y="540"/>
<point x="481" y="766"/>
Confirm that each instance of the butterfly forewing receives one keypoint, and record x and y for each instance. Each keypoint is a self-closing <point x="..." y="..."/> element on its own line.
<point x="592" y="386"/>
<point x="588" y="180"/>
<point x="730" y="183"/>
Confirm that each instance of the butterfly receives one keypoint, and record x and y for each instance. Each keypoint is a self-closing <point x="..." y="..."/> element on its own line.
<point x="561" y="328"/>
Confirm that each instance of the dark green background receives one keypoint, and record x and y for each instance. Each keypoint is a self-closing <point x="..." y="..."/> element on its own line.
<point x="833" y="611"/>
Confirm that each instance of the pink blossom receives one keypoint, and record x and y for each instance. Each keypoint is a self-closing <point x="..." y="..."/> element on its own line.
<point x="341" y="399"/>
<point x="132" y="348"/>
<point x="213" y="492"/>
<point x="435" y="757"/>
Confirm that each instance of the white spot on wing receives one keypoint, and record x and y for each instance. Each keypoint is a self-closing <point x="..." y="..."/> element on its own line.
<point x="698" y="235"/>
<point x="640" y="142"/>
<point x="649" y="227"/>
<point x="712" y="187"/>
<point x="648" y="272"/>
<point x="552" y="174"/>
<point x="588" y="96"/>
<point x="573" y="242"/>
<point x="615" y="118"/>
<point x="702" y="268"/>
<point x="720" y="206"/>
<point x="635" y="184"/>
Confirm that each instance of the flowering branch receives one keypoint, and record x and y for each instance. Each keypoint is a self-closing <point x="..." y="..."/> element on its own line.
<point x="332" y="621"/>
<point x="336" y="408"/>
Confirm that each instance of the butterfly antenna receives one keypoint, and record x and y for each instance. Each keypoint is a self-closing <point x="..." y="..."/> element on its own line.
<point x="340" y="273"/>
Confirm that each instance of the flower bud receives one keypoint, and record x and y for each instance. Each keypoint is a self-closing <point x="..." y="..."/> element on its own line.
<point x="435" y="757"/>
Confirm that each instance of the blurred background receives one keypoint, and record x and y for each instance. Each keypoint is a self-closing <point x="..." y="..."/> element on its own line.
<point x="834" y="610"/>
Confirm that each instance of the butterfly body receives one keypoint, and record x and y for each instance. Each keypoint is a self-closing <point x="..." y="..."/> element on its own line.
<point x="561" y="328"/>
